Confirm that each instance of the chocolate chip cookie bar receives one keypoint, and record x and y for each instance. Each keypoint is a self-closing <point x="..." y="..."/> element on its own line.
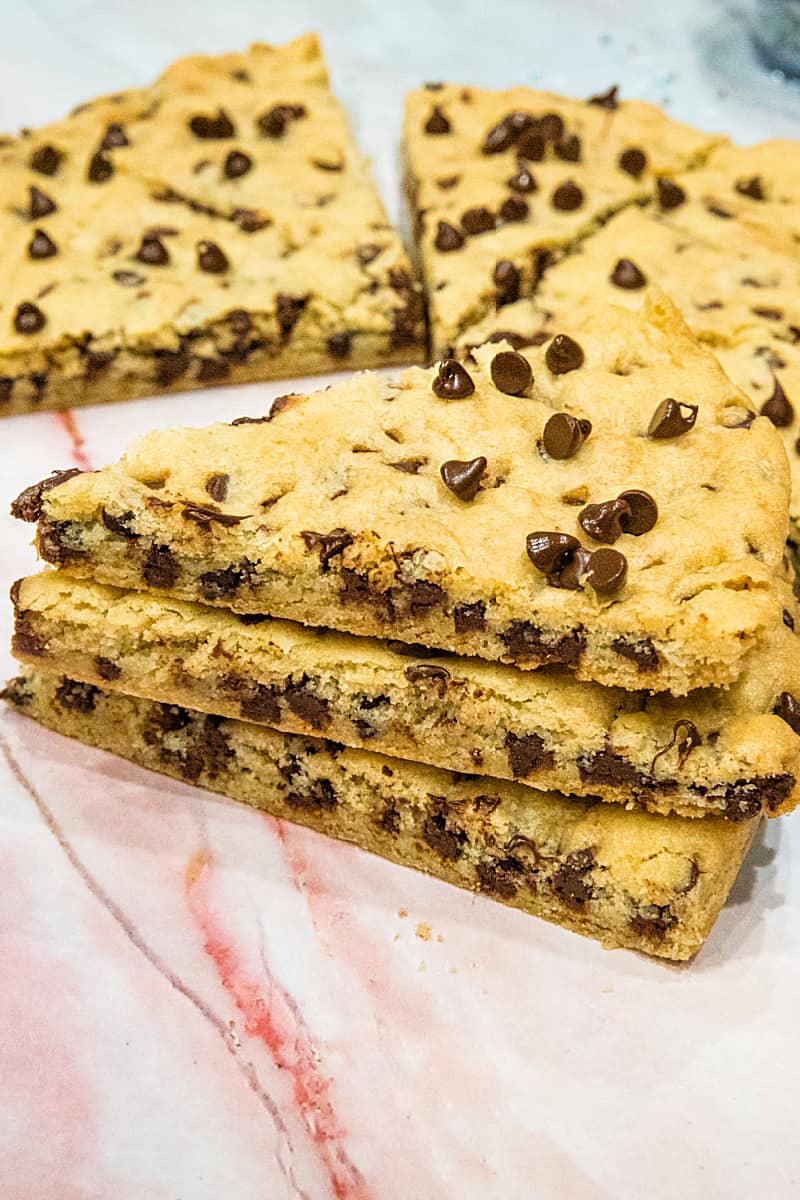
<point x="602" y="501"/>
<point x="733" y="752"/>
<point x="217" y="227"/>
<point x="501" y="184"/>
<point x="635" y="880"/>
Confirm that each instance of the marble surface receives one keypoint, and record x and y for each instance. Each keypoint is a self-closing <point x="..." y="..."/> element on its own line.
<point x="199" y="1003"/>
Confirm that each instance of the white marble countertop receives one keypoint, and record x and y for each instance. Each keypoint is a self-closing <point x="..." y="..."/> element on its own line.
<point x="197" y="1003"/>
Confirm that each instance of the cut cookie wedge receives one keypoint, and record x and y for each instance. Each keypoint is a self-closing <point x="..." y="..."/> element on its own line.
<point x="500" y="184"/>
<point x="621" y="506"/>
<point x="217" y="227"/>
<point x="635" y="880"/>
<point x="733" y="752"/>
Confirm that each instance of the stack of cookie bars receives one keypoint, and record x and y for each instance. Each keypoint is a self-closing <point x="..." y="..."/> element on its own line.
<point x="522" y="619"/>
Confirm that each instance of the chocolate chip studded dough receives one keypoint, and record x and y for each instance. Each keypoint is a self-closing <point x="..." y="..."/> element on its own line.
<point x="624" y="512"/>
<point x="219" y="226"/>
<point x="734" y="752"/>
<point x="500" y="184"/>
<point x="635" y="880"/>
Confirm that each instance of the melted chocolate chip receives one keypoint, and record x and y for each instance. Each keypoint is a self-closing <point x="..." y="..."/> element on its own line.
<point x="477" y="220"/>
<point x="100" y="168"/>
<point x="237" y="164"/>
<point x="523" y="181"/>
<point x="340" y="345"/>
<point x="643" y="653"/>
<point x="106" y="668"/>
<point x="448" y="238"/>
<point x="511" y="373"/>
<point x="463" y="478"/>
<point x="160" y="569"/>
<point x="563" y="354"/>
<point x="499" y="138"/>
<point x="328" y="544"/>
<point x="672" y="419"/>
<point x="211" y="370"/>
<point x="686" y="736"/>
<point x="274" y="122"/>
<point x="217" y="486"/>
<point x="506" y="278"/>
<point x="437" y="122"/>
<point x="751" y="188"/>
<point x="564" y="435"/>
<point x="443" y="836"/>
<point x="633" y="161"/>
<point x="314" y="710"/>
<point x="28" y="318"/>
<point x="525" y="642"/>
<point x="527" y="754"/>
<point x="787" y="707"/>
<point x="28" y="504"/>
<point x="567" y="196"/>
<point x="120" y="525"/>
<point x="608" y="100"/>
<point x="568" y="148"/>
<point x="46" y="160"/>
<point x="778" y="407"/>
<point x="513" y="208"/>
<point x="39" y="204"/>
<point x="426" y="673"/>
<point x="452" y="381"/>
<point x="288" y="310"/>
<point x="41" y="246"/>
<point x="114" y="137"/>
<point x="470" y="618"/>
<point x="569" y="880"/>
<point x="211" y="259"/>
<point x="152" y="251"/>
<point x="627" y="275"/>
<point x="607" y="571"/>
<point x="214" y="127"/>
<point x="77" y="697"/>
<point x="670" y="194"/>
<point x="205" y="515"/>
<point x="127" y="278"/>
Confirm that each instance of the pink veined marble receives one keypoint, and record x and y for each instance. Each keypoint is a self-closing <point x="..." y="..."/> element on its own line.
<point x="201" y="1003"/>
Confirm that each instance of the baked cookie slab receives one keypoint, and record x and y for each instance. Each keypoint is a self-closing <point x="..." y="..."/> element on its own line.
<point x="501" y="184"/>
<point x="217" y="227"/>
<point x="600" y="502"/>
<point x="634" y="880"/>
<point x="733" y="752"/>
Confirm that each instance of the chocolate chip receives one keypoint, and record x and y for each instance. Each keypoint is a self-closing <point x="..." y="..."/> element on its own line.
<point x="569" y="880"/>
<point x="77" y="697"/>
<point x="106" y="668"/>
<point x="568" y="148"/>
<point x="127" y="278"/>
<point x="39" y="204"/>
<point x="608" y="100"/>
<point x="237" y="164"/>
<point x="670" y="194"/>
<point x="312" y="709"/>
<point x="211" y="259"/>
<point x="211" y="370"/>
<point x="160" y="569"/>
<point x="114" y="137"/>
<point x="28" y="504"/>
<point x="633" y="161"/>
<point x="28" y="318"/>
<point x="452" y="381"/>
<point x="499" y="138"/>
<point x="527" y="754"/>
<point x="769" y="314"/>
<point x="564" y="435"/>
<point x="788" y="619"/>
<point x="514" y="208"/>
<point x="409" y="466"/>
<point x="477" y="220"/>
<point x="525" y="642"/>
<point x="100" y="168"/>
<point x="463" y="478"/>
<point x="443" y="836"/>
<point x="567" y="196"/>
<point x="642" y="512"/>
<point x="120" y="525"/>
<point x="217" y="585"/>
<point x="717" y="210"/>
<point x="219" y="126"/>
<point x="523" y="181"/>
<point x="46" y="160"/>
<point x="506" y="278"/>
<point x="152" y="251"/>
<point x="563" y="354"/>
<point x="470" y="618"/>
<point x="750" y="187"/>
<point x="671" y="419"/>
<point x="368" y="252"/>
<point x="550" y="552"/>
<point x="448" y="238"/>
<point x="217" y="486"/>
<point x="551" y="126"/>
<point x="426" y="673"/>
<point x="249" y="221"/>
<point x="205" y="515"/>
<point x="531" y="145"/>
<point x="607" y="571"/>
<point x="643" y="653"/>
<point x="787" y="707"/>
<point x="602" y="521"/>
<point x="288" y="310"/>
<point x="627" y="275"/>
<point x="778" y="407"/>
<point x="259" y="702"/>
<point x="6" y="389"/>
<point x="340" y="345"/>
<point x="511" y="373"/>
<point x="447" y="181"/>
<point x="41" y="246"/>
<point x="437" y="122"/>
<point x="328" y="544"/>
<point x="171" y="365"/>
<point x="273" y="123"/>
